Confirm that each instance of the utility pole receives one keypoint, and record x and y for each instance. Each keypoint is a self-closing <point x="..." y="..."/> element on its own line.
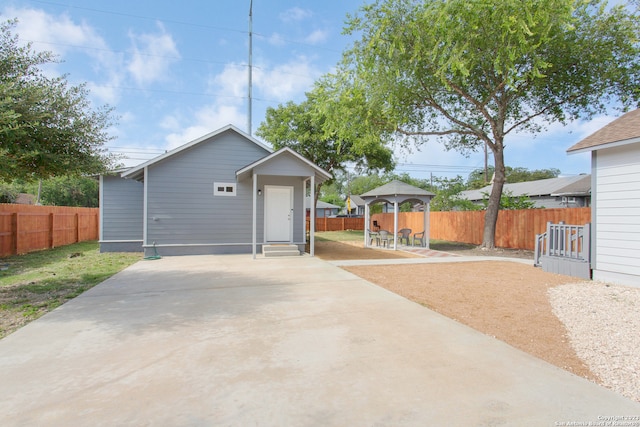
<point x="249" y="101"/>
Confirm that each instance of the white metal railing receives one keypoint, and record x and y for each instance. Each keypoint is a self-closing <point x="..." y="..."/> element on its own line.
<point x="564" y="241"/>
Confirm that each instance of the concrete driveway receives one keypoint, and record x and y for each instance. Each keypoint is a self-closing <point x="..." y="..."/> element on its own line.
<point x="227" y="340"/>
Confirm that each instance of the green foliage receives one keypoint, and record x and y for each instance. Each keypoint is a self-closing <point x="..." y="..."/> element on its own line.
<point x="448" y="196"/>
<point x="332" y="194"/>
<point x="58" y="191"/>
<point x="7" y="193"/>
<point x="47" y="126"/>
<point x="473" y="72"/>
<point x="70" y="191"/>
<point x="303" y="128"/>
<point x="510" y="202"/>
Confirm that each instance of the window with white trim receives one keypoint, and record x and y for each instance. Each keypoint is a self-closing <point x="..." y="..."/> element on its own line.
<point x="224" y="188"/>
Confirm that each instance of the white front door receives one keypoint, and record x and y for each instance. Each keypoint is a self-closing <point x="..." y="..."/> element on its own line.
<point x="278" y="214"/>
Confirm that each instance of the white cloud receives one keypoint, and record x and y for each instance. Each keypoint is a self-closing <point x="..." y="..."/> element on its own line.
<point x="316" y="37"/>
<point x="153" y="54"/>
<point x="277" y="39"/>
<point x="231" y="82"/>
<point x="62" y="36"/>
<point x="57" y="34"/>
<point x="286" y="81"/>
<point x="295" y="14"/>
<point x="206" y="120"/>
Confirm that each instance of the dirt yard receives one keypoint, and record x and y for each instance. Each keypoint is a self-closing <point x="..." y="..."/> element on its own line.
<point x="502" y="299"/>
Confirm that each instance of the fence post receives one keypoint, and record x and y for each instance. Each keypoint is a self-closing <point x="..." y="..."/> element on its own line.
<point x="76" y="220"/>
<point x="51" y="219"/>
<point x="14" y="233"/>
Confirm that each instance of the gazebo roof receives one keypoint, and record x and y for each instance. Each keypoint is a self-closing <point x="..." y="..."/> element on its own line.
<point x="397" y="189"/>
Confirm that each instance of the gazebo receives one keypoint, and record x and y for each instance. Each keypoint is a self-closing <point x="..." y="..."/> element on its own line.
<point x="396" y="192"/>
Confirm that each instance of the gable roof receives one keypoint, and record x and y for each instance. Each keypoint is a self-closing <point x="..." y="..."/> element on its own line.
<point x="624" y="130"/>
<point x="320" y="204"/>
<point x="320" y="174"/>
<point x="541" y="187"/>
<point x="357" y="200"/>
<point x="136" y="172"/>
<point x="396" y="188"/>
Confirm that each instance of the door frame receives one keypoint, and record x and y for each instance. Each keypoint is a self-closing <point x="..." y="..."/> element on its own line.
<point x="267" y="189"/>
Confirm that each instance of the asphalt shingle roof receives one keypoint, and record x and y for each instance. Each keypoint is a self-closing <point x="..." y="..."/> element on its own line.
<point x="623" y="128"/>
<point x="542" y="187"/>
<point x="398" y="188"/>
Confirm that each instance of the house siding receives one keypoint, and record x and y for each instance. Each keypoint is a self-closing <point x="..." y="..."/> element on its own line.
<point x="121" y="201"/>
<point x="617" y="214"/>
<point x="182" y="209"/>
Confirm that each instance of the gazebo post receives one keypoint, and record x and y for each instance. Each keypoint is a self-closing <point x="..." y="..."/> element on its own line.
<point x="367" y="238"/>
<point x="395" y="224"/>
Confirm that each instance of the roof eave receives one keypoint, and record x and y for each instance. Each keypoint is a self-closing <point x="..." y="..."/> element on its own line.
<point x="604" y="146"/>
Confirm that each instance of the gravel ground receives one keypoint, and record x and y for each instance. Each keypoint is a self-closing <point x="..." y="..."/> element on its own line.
<point x="590" y="329"/>
<point x="603" y="324"/>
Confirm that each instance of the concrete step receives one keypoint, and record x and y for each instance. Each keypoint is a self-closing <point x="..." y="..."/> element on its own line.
<point x="280" y="250"/>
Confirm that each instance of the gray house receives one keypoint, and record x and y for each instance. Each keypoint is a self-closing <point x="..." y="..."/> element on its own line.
<point x="562" y="192"/>
<point x="323" y="209"/>
<point x="225" y="192"/>
<point x="615" y="212"/>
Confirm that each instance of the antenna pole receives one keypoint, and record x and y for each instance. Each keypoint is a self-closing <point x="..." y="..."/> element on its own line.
<point x="249" y="102"/>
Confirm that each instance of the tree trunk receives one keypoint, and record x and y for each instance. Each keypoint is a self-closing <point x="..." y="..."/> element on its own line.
<point x="491" y="215"/>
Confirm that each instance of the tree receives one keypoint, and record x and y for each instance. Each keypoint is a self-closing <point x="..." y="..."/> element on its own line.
<point x="70" y="191"/>
<point x="301" y="127"/>
<point x="473" y="72"/>
<point x="47" y="126"/>
<point x="448" y="198"/>
<point x="510" y="202"/>
<point x="7" y="194"/>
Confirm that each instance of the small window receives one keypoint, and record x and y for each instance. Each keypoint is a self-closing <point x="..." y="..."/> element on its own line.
<point x="224" y="189"/>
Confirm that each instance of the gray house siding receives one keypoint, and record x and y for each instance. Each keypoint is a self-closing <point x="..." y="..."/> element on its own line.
<point x="183" y="211"/>
<point x="616" y="214"/>
<point x="121" y="201"/>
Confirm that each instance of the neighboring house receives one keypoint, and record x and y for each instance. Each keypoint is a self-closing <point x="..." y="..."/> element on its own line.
<point x="615" y="210"/>
<point x="562" y="192"/>
<point x="323" y="209"/>
<point x="357" y="205"/>
<point x="225" y="192"/>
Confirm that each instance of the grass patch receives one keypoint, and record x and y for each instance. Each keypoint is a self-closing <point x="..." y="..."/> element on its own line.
<point x="443" y="245"/>
<point x="36" y="283"/>
<point x="340" y="236"/>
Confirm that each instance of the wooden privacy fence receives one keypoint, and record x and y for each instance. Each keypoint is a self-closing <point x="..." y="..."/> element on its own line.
<point x="339" y="224"/>
<point x="26" y="228"/>
<point x="515" y="229"/>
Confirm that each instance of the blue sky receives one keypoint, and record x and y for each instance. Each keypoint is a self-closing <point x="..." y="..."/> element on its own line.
<point x="175" y="71"/>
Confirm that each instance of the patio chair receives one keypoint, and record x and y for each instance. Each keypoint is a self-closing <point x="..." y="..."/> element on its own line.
<point x="384" y="237"/>
<point x="372" y="235"/>
<point x="419" y="237"/>
<point x="404" y="234"/>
